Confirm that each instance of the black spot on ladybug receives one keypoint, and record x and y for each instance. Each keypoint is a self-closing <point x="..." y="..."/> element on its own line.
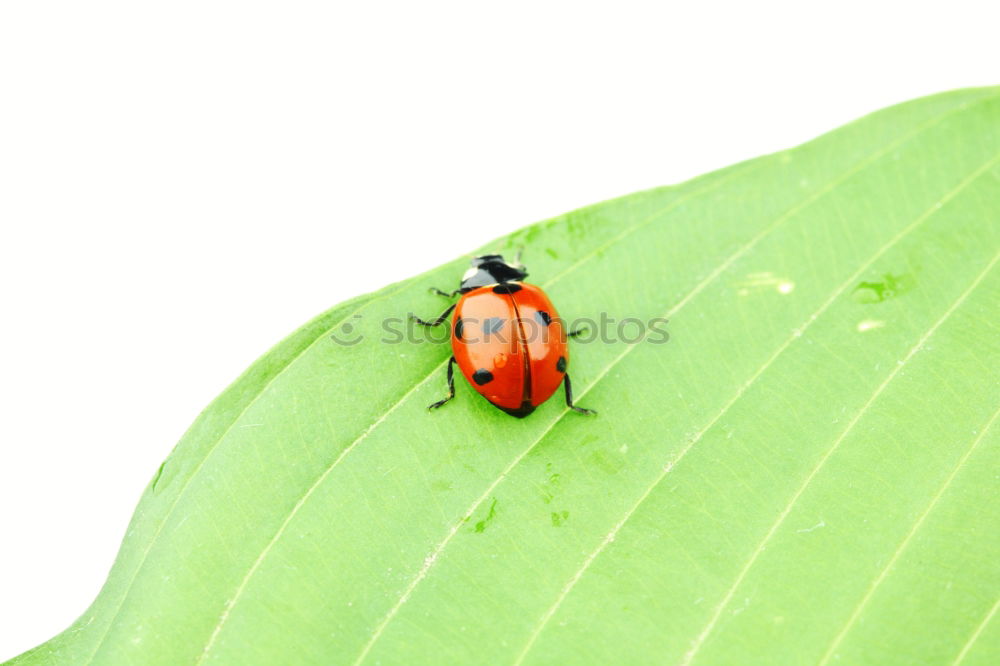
<point x="482" y="376"/>
<point x="507" y="288"/>
<point x="492" y="325"/>
<point x="459" y="326"/>
<point x="543" y="317"/>
<point x="561" y="364"/>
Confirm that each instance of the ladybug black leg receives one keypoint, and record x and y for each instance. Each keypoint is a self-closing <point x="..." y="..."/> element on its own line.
<point x="433" y="322"/>
<point x="569" y="398"/>
<point x="451" y="385"/>
<point x="579" y="331"/>
<point x="446" y="294"/>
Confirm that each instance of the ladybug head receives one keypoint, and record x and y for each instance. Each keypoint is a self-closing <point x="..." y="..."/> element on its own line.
<point x="491" y="269"/>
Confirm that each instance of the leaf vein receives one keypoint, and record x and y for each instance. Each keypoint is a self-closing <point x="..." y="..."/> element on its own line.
<point x="976" y="634"/>
<point x="281" y="529"/>
<point x="433" y="556"/>
<point x="830" y="651"/>
<point x="740" y="392"/>
<point x="700" y="640"/>
<point x="187" y="482"/>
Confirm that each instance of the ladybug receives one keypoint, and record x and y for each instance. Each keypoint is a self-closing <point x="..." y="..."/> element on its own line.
<point x="506" y="338"/>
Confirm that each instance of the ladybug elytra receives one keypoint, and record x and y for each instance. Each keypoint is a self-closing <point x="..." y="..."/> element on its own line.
<point x="506" y="338"/>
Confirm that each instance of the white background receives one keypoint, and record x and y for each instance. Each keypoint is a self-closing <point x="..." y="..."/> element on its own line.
<point x="182" y="184"/>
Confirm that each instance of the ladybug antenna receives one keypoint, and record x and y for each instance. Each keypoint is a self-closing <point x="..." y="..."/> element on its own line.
<point x="517" y="257"/>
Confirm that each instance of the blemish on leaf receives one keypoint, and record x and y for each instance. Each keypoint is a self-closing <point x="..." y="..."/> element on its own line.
<point x="869" y="324"/>
<point x="529" y="235"/>
<point x="482" y="524"/>
<point x="559" y="518"/>
<point x="817" y="526"/>
<point x="576" y="226"/>
<point x="886" y="287"/>
<point x="156" y="477"/>
<point x="764" y="280"/>
<point x="609" y="463"/>
<point x="550" y="486"/>
<point x="441" y="486"/>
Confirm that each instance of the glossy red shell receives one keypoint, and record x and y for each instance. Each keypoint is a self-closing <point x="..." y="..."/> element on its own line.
<point x="510" y="344"/>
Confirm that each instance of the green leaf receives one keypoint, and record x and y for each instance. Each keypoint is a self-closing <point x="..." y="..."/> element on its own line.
<point x="806" y="472"/>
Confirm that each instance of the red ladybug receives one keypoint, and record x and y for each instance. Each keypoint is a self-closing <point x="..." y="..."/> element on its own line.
<point x="507" y="339"/>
